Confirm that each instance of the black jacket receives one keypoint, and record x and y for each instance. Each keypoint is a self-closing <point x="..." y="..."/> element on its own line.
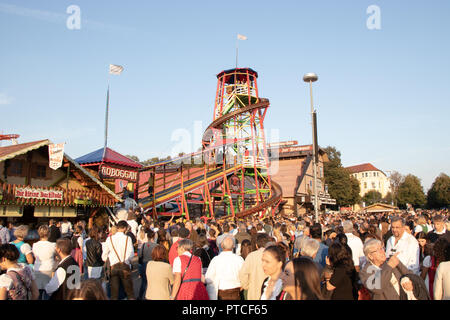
<point x="54" y="234"/>
<point x="94" y="253"/>
<point x="433" y="236"/>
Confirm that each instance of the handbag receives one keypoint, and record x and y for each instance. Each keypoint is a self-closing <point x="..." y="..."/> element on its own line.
<point x="184" y="273"/>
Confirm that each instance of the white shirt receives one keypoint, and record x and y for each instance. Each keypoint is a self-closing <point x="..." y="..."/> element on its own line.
<point x="177" y="262"/>
<point x="66" y="227"/>
<point x="44" y="252"/>
<point x="83" y="247"/>
<point x="223" y="271"/>
<point x="427" y="264"/>
<point x="58" y="278"/>
<point x="275" y="292"/>
<point x="119" y="240"/>
<point x="134" y="226"/>
<point x="357" y="246"/>
<point x="409" y="250"/>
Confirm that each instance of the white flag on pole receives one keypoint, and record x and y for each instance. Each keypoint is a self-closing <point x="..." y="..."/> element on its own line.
<point x="115" y="69"/>
<point x="241" y="37"/>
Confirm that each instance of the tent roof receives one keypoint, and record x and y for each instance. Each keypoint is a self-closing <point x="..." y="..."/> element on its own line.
<point x="111" y="156"/>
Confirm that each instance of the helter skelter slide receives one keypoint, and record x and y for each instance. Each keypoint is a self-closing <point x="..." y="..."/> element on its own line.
<point x="230" y="176"/>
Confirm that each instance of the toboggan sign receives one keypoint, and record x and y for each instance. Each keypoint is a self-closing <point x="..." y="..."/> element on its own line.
<point x="116" y="173"/>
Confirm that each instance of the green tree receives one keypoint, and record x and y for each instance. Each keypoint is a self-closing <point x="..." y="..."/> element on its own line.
<point x="439" y="194"/>
<point x="356" y="189"/>
<point x="411" y="191"/>
<point x="341" y="186"/>
<point x="389" y="198"/>
<point x="395" y="179"/>
<point x="372" y="197"/>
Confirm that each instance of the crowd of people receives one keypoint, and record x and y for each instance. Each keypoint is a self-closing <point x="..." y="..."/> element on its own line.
<point x="342" y="256"/>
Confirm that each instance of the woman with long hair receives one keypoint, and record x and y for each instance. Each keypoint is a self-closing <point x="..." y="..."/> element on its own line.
<point x="422" y="239"/>
<point x="301" y="279"/>
<point x="90" y="289"/>
<point x="162" y="240"/>
<point x="431" y="263"/>
<point x="203" y="251"/>
<point x="273" y="260"/>
<point x="246" y="248"/>
<point x="92" y="252"/>
<point x="344" y="280"/>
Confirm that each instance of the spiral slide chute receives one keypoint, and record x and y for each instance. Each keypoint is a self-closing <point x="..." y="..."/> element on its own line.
<point x="229" y="177"/>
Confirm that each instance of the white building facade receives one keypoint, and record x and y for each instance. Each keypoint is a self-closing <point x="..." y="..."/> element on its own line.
<point x="370" y="178"/>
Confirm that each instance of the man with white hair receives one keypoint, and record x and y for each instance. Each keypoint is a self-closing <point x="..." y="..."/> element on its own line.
<point x="222" y="276"/>
<point x="309" y="249"/>
<point x="379" y="275"/>
<point x="354" y="243"/>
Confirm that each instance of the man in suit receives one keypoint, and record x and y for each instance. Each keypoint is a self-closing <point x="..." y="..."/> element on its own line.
<point x="381" y="276"/>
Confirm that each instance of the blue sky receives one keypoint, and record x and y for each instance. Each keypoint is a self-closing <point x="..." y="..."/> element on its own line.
<point x="382" y="97"/>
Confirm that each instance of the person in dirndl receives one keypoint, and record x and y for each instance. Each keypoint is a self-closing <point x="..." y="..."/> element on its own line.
<point x="187" y="269"/>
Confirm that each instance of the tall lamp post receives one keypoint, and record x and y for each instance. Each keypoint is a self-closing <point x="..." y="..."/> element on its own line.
<point x="312" y="77"/>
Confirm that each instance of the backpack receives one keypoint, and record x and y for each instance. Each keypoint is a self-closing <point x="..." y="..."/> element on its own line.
<point x="21" y="286"/>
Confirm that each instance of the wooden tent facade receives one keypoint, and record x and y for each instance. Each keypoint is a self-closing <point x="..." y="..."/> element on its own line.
<point x="28" y="186"/>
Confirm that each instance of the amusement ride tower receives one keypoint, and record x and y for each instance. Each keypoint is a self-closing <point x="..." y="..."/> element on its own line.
<point x="229" y="176"/>
<point x="238" y="126"/>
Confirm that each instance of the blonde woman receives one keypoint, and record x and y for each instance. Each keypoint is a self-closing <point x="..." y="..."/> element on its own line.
<point x="45" y="253"/>
<point x="26" y="254"/>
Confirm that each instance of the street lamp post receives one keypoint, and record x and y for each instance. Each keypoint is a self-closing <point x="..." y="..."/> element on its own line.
<point x="312" y="77"/>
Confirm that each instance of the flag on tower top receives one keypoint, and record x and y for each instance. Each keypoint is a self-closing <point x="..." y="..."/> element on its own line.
<point x="115" y="69"/>
<point x="241" y="37"/>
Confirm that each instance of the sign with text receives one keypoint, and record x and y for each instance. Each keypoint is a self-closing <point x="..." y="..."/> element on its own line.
<point x="116" y="173"/>
<point x="55" y="155"/>
<point x="29" y="193"/>
<point x="295" y="149"/>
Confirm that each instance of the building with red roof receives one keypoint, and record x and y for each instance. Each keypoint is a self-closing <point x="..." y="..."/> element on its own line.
<point x="370" y="178"/>
<point x="112" y="168"/>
